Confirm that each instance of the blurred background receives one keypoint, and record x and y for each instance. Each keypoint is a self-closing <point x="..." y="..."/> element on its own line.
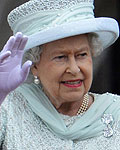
<point x="106" y="66"/>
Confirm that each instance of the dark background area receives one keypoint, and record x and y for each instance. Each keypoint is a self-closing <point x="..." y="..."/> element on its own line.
<point x="106" y="66"/>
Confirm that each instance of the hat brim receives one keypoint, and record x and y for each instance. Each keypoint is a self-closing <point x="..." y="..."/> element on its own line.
<point x="106" y="28"/>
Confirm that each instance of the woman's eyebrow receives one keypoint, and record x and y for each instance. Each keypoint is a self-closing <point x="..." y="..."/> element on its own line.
<point x="61" y="51"/>
<point x="58" y="52"/>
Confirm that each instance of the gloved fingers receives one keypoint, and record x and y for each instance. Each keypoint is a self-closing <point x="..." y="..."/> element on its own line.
<point x="23" y="43"/>
<point x="4" y="56"/>
<point x="19" y="45"/>
<point x="25" y="69"/>
<point x="18" y="39"/>
<point x="9" y="45"/>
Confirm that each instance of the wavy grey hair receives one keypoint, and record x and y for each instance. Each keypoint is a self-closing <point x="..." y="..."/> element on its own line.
<point x="34" y="54"/>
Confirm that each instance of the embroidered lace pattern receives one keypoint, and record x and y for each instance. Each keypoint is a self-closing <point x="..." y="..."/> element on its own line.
<point x="69" y="121"/>
<point x="34" y="6"/>
<point x="21" y="129"/>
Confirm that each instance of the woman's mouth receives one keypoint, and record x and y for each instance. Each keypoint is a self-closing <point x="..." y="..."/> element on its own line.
<point x="72" y="83"/>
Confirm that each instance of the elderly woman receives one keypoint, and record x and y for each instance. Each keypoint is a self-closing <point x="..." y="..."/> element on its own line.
<point x="46" y="103"/>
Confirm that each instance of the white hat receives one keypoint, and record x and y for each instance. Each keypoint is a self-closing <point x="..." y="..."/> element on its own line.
<point x="44" y="21"/>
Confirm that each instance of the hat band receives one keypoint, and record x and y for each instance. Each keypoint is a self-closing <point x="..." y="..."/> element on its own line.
<point x="39" y="21"/>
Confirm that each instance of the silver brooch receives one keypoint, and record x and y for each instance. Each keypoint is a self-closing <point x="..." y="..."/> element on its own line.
<point x="107" y="119"/>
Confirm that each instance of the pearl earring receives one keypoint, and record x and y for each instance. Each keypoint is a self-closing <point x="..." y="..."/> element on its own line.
<point x="36" y="80"/>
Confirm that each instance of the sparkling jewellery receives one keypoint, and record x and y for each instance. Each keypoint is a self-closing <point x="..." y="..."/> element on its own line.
<point x="108" y="120"/>
<point x="36" y="80"/>
<point x="84" y="105"/>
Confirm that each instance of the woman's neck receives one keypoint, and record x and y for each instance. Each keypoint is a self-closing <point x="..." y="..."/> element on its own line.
<point x="71" y="108"/>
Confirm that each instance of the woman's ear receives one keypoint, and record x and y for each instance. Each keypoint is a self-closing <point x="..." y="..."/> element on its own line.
<point x="34" y="70"/>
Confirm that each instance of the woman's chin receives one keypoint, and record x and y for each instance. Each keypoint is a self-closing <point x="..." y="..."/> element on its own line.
<point x="72" y="97"/>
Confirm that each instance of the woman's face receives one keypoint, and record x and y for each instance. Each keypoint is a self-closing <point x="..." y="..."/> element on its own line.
<point x="65" y="69"/>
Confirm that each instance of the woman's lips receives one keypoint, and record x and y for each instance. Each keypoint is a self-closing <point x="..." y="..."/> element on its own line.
<point x="72" y="83"/>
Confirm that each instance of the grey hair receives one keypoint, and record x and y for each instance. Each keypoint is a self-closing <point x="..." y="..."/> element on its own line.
<point x="95" y="44"/>
<point x="34" y="54"/>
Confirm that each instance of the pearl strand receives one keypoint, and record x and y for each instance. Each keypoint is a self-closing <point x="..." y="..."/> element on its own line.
<point x="84" y="105"/>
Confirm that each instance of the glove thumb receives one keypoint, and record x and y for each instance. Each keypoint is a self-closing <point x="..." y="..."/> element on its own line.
<point x="25" y="70"/>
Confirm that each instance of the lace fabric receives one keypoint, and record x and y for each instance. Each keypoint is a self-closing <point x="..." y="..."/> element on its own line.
<point x="24" y="130"/>
<point x="69" y="121"/>
<point x="34" y="6"/>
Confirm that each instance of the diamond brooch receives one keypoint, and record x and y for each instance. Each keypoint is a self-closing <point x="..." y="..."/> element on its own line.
<point x="107" y="119"/>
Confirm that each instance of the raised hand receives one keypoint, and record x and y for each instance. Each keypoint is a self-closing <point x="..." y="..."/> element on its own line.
<point x="12" y="73"/>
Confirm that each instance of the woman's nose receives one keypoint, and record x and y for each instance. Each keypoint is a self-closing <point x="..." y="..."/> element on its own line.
<point x="73" y="66"/>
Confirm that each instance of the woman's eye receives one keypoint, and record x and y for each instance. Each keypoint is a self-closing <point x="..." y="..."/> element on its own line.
<point x="82" y="55"/>
<point x="60" y="58"/>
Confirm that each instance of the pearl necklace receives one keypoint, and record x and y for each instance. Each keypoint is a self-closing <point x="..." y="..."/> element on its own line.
<point x="84" y="105"/>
